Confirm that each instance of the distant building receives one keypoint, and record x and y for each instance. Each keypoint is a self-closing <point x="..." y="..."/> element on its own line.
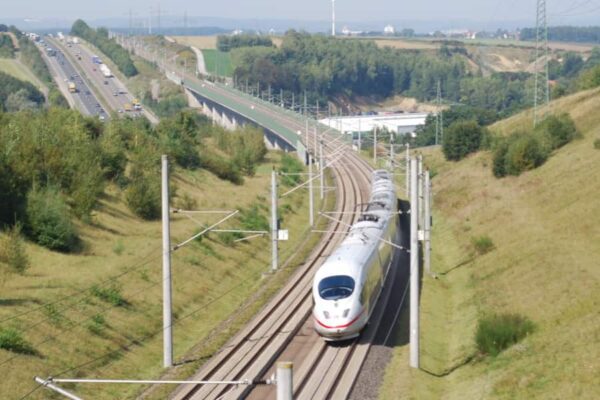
<point x="389" y="30"/>
<point x="237" y="32"/>
<point x="403" y="124"/>
<point x="347" y="32"/>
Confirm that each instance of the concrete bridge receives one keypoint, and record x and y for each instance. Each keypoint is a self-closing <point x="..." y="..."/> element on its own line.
<point x="230" y="110"/>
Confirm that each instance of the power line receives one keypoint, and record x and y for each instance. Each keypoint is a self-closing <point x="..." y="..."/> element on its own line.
<point x="81" y="291"/>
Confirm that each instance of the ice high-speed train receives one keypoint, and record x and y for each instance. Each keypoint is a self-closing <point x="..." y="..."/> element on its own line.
<point x="347" y="286"/>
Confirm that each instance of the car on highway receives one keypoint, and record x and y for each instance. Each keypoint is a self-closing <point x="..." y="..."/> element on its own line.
<point x="115" y="94"/>
<point x="106" y="82"/>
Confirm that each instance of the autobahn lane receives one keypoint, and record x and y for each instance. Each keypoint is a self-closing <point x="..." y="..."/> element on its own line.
<point x="84" y="100"/>
<point x="113" y="90"/>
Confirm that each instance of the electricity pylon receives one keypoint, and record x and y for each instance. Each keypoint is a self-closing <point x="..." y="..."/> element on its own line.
<point x="439" y="117"/>
<point x="541" y="97"/>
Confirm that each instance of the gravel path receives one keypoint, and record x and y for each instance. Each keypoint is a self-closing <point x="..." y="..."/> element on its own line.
<point x="200" y="57"/>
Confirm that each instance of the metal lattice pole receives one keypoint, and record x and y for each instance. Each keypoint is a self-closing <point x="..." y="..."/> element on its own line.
<point x="541" y="96"/>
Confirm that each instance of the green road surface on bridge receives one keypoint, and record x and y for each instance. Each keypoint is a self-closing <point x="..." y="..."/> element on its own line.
<point x="234" y="102"/>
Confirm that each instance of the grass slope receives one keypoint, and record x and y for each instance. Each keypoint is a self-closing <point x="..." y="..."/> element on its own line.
<point x="212" y="282"/>
<point x="16" y="69"/>
<point x="545" y="225"/>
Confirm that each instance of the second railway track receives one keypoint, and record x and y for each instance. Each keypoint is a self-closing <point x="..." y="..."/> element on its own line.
<point x="283" y="329"/>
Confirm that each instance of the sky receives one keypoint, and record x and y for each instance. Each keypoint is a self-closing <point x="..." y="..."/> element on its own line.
<point x="486" y="11"/>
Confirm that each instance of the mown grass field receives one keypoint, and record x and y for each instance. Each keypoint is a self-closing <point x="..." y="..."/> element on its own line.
<point x="545" y="227"/>
<point x="209" y="42"/>
<point x="213" y="282"/>
<point x="218" y="62"/>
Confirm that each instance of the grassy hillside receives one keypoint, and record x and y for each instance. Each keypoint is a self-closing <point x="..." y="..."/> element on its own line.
<point x="545" y="228"/>
<point x="116" y="325"/>
<point x="19" y="71"/>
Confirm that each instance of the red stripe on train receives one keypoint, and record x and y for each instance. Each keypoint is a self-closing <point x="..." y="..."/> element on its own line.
<point x="339" y="326"/>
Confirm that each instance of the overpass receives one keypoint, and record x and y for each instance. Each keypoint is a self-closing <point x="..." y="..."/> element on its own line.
<point x="230" y="108"/>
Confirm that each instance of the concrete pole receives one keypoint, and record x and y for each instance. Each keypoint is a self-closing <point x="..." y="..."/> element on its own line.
<point x="420" y="190"/>
<point x="392" y="153"/>
<point x="321" y="168"/>
<point x="284" y="380"/>
<point x="306" y="134"/>
<point x="166" y="241"/>
<point x="414" y="266"/>
<point x="311" y="206"/>
<point x="359" y="137"/>
<point x="427" y="225"/>
<point x="315" y="132"/>
<point x="407" y="170"/>
<point x="274" y="223"/>
<point x="375" y="146"/>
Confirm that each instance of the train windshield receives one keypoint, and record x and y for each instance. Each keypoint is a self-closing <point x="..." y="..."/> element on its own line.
<point x="336" y="287"/>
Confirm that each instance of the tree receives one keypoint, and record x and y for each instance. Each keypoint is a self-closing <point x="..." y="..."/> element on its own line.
<point x="48" y="220"/>
<point x="18" y="101"/>
<point x="461" y="139"/>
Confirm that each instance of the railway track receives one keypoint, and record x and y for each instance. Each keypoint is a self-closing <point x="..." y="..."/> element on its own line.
<point x="283" y="329"/>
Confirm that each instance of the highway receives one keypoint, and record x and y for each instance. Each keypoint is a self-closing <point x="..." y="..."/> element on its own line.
<point x="115" y="94"/>
<point x="63" y="71"/>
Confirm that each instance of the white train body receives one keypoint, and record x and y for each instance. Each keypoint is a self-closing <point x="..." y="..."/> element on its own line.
<point x="347" y="286"/>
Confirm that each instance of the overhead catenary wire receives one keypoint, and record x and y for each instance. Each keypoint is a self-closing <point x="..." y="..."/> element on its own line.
<point x="138" y="266"/>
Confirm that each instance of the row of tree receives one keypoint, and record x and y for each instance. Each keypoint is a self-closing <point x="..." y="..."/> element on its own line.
<point x="586" y="34"/>
<point x="99" y="38"/>
<point x="230" y="42"/>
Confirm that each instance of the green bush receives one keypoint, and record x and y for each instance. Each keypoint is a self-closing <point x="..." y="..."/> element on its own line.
<point x="499" y="159"/>
<point x="13" y="190"/>
<point x="482" y="244"/>
<point x="143" y="194"/>
<point x="119" y="247"/>
<point x="597" y="144"/>
<point x="461" y="139"/>
<point x="222" y="168"/>
<point x="557" y="129"/>
<point x="111" y="294"/>
<point x="12" y="250"/>
<point x="12" y="340"/>
<point x="252" y="219"/>
<point x="291" y="165"/>
<point x="53" y="314"/>
<point x="49" y="222"/>
<point x="97" y="324"/>
<point x="525" y="153"/>
<point x="497" y="332"/>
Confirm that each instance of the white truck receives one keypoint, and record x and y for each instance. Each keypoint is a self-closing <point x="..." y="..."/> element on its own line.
<point x="105" y="71"/>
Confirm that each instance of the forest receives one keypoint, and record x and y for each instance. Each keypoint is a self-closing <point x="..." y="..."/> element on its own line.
<point x="55" y="164"/>
<point x="327" y="68"/>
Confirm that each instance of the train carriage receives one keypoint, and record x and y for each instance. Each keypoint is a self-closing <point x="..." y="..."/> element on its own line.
<point x="347" y="286"/>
